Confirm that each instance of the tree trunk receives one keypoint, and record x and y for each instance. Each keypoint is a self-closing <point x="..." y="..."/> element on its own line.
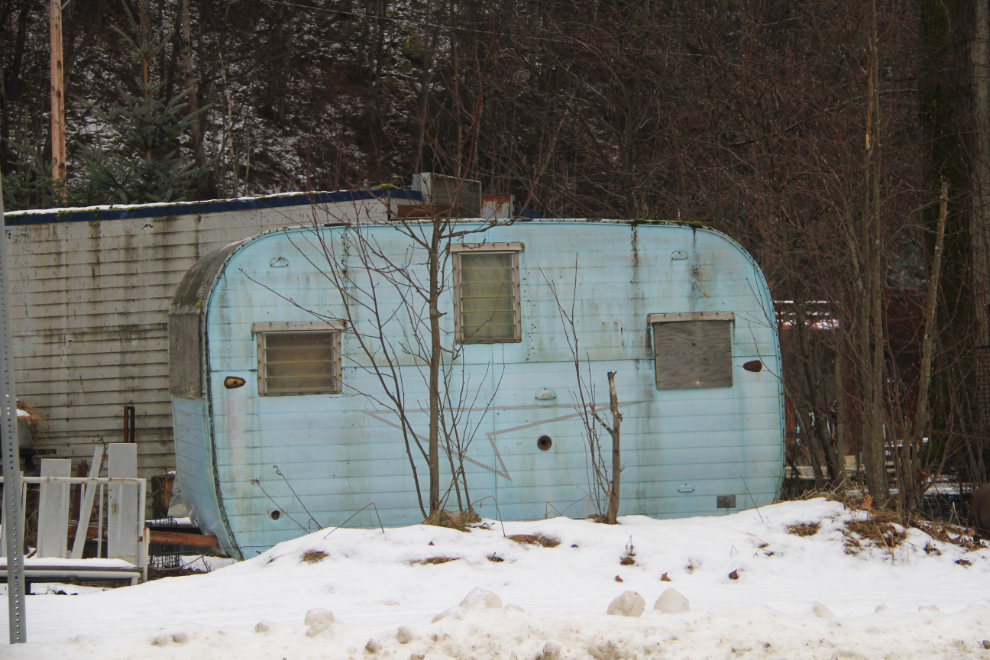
<point x="424" y="90"/>
<point x="58" y="95"/>
<point x="191" y="99"/>
<point x="872" y="335"/>
<point x="613" y="494"/>
<point x="435" y="348"/>
<point x="980" y="225"/>
<point x="911" y="453"/>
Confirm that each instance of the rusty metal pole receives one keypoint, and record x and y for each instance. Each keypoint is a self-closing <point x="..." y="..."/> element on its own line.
<point x="58" y="97"/>
<point x="11" y="459"/>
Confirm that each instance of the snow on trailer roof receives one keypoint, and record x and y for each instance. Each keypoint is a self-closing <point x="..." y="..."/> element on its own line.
<point x="164" y="209"/>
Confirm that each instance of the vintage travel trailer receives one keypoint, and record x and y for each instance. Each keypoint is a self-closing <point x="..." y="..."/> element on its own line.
<point x="281" y="421"/>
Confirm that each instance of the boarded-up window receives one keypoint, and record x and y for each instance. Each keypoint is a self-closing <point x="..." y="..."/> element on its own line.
<point x="298" y="362"/>
<point x="487" y="296"/>
<point x="692" y="350"/>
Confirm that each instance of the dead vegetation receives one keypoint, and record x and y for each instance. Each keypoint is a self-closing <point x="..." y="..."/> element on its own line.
<point x="434" y="560"/>
<point x="535" y="539"/>
<point x="458" y="521"/>
<point x="32" y="420"/>
<point x="885" y="535"/>
<point x="884" y="527"/>
<point x="803" y="529"/>
<point x="313" y="556"/>
<point x="887" y="527"/>
<point x="948" y="533"/>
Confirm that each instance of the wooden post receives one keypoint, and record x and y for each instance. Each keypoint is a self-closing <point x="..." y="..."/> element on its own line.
<point x="58" y="97"/>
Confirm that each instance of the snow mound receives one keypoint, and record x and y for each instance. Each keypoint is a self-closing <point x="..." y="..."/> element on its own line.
<point x="629" y="603"/>
<point x="797" y="560"/>
<point x="672" y="602"/>
<point x="481" y="599"/>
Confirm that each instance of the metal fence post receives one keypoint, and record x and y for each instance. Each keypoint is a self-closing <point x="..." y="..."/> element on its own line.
<point x="11" y="458"/>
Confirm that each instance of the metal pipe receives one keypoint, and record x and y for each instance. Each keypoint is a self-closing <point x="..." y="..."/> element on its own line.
<point x="184" y="540"/>
<point x="80" y="480"/>
<point x="99" y="524"/>
<point x="133" y="576"/>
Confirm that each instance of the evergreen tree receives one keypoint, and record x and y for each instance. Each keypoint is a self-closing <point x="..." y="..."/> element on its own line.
<point x="29" y="184"/>
<point x="141" y="162"/>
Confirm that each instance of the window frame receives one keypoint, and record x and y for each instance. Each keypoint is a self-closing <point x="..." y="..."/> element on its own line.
<point x="457" y="251"/>
<point x="262" y="330"/>
<point x="658" y="319"/>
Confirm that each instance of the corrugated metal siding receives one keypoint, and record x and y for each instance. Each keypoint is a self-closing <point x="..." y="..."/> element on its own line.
<point x="88" y="311"/>
<point x="338" y="458"/>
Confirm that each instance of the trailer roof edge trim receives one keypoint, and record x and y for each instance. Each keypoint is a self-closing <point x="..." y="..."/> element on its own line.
<point x="139" y="211"/>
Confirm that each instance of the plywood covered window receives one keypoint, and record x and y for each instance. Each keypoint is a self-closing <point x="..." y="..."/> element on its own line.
<point x="298" y="358"/>
<point x="486" y="293"/>
<point x="693" y="350"/>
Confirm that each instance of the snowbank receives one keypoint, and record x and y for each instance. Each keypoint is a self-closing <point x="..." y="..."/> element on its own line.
<point x="754" y="588"/>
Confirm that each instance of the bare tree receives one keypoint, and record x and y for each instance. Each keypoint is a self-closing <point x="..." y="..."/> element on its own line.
<point x="605" y="477"/>
<point x="390" y="300"/>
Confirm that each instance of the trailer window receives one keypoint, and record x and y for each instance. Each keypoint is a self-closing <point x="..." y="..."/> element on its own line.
<point x="486" y="293"/>
<point x="298" y="361"/>
<point x="692" y="350"/>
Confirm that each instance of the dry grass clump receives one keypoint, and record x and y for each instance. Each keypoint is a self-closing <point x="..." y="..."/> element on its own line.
<point x="879" y="526"/>
<point x="313" y="556"/>
<point x="32" y="421"/>
<point x="458" y="521"/>
<point x="434" y="560"/>
<point x="538" y="539"/>
<point x="948" y="533"/>
<point x="804" y="529"/>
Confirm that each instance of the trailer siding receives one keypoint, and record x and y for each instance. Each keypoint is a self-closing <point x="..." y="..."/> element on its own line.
<point x="90" y="291"/>
<point x="682" y="448"/>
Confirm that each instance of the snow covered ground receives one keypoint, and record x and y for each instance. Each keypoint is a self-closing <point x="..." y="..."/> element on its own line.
<point x="756" y="590"/>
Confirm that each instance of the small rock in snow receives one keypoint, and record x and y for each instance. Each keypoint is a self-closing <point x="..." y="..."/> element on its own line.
<point x="403" y="635"/>
<point x="417" y="656"/>
<point x="672" y="602"/>
<point x="180" y="638"/>
<point x="262" y="626"/>
<point x="986" y="644"/>
<point x="514" y="608"/>
<point x="551" y="651"/>
<point x="317" y="628"/>
<point x="881" y="608"/>
<point x="372" y="646"/>
<point x="318" y="616"/>
<point x="629" y="603"/>
<point x="162" y="640"/>
<point x="928" y="608"/>
<point x="822" y="611"/>
<point x="481" y="599"/>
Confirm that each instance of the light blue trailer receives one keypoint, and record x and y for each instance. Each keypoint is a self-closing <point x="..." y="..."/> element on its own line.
<point x="682" y="314"/>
